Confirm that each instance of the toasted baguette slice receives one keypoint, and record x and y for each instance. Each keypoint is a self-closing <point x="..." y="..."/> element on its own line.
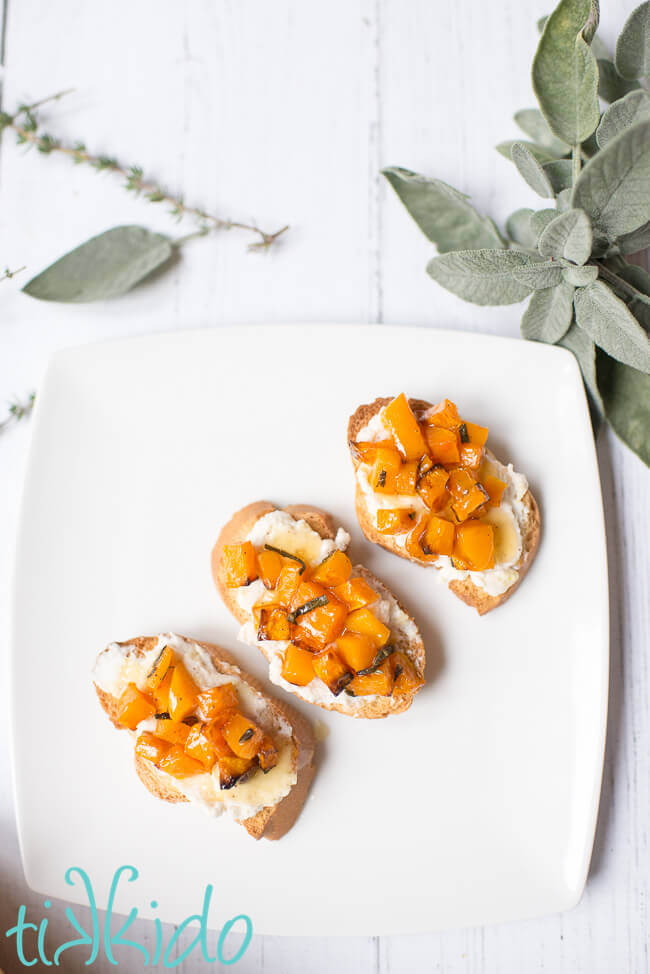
<point x="470" y="593"/>
<point x="270" y="822"/>
<point x="406" y="637"/>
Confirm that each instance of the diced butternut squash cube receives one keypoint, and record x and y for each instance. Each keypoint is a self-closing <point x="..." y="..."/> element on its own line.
<point x="405" y="675"/>
<point x="232" y="769"/>
<point x="214" y="734"/>
<point x="415" y="542"/>
<point x="269" y="566"/>
<point x="161" y="693"/>
<point x="400" y="419"/>
<point x="406" y="478"/>
<point x="288" y="582"/>
<point x="379" y="682"/>
<point x="183" y="693"/>
<point x="355" y="649"/>
<point x="318" y="626"/>
<point x="134" y="707"/>
<point x="298" y="666"/>
<point x="432" y="487"/>
<point x="335" y="570"/>
<point x="395" y="520"/>
<point x="477" y="434"/>
<point x="444" y="415"/>
<point x="273" y="623"/>
<point x="439" y="535"/>
<point x="150" y="747"/>
<point x="366" y="452"/>
<point x="240" y="564"/>
<point x="172" y="731"/>
<point x="158" y="671"/>
<point x="367" y="623"/>
<point x="355" y="594"/>
<point x="471" y="455"/>
<point x="216" y="700"/>
<point x="460" y="483"/>
<point x="179" y="765"/>
<point x="331" y="669"/>
<point x="199" y="746"/>
<point x="494" y="488"/>
<point x="443" y="445"/>
<point x="382" y="480"/>
<point x="267" y="754"/>
<point x="474" y="545"/>
<point x="242" y="735"/>
<point x="471" y="503"/>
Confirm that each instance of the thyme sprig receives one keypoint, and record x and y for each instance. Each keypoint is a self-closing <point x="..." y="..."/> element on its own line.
<point x="25" y="123"/>
<point x="18" y="410"/>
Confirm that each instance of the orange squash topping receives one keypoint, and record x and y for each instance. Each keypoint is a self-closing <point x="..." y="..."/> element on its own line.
<point x="335" y="570"/>
<point x="159" y="670"/>
<point x="405" y="676"/>
<point x="356" y="649"/>
<point x="444" y="415"/>
<point x="232" y="769"/>
<point x="400" y="419"/>
<point x="134" y="707"/>
<point x="183" y="694"/>
<point x="443" y="445"/>
<point x="439" y="536"/>
<point x="172" y="731"/>
<point x="355" y="594"/>
<point x="267" y="754"/>
<point x="477" y="434"/>
<point x="199" y="746"/>
<point x="243" y="736"/>
<point x="415" y="542"/>
<point x="288" y="582"/>
<point x="380" y="681"/>
<point x="150" y="747"/>
<point x="367" y="452"/>
<point x="471" y="502"/>
<point x="432" y="487"/>
<point x="471" y="455"/>
<point x="298" y="666"/>
<point x="364" y="621"/>
<point x="178" y="764"/>
<point x="273" y="623"/>
<point x="394" y="520"/>
<point x="269" y="566"/>
<point x="474" y="545"/>
<point x="495" y="489"/>
<point x="334" y="673"/>
<point x="319" y="617"/>
<point x="406" y="478"/>
<point x="161" y="693"/>
<point x="216" y="700"/>
<point x="240" y="564"/>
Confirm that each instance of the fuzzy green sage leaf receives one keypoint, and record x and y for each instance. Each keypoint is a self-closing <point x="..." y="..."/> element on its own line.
<point x="608" y="321"/>
<point x="568" y="236"/>
<point x="633" y="45"/>
<point x="632" y="243"/>
<point x="538" y="151"/>
<point x="534" y="125"/>
<point x="540" y="220"/>
<point x="560" y="174"/>
<point x="584" y="349"/>
<point x="625" y="396"/>
<point x="519" y="229"/>
<point x="580" y="276"/>
<point x="565" y="73"/>
<point x="532" y="170"/>
<point x="549" y="313"/>
<point x="630" y="109"/>
<point x="492" y="277"/>
<point x="611" y="86"/>
<point x="103" y="267"/>
<point x="442" y="213"/>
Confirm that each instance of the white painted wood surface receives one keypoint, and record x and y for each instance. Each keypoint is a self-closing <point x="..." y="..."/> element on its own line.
<point x="285" y="111"/>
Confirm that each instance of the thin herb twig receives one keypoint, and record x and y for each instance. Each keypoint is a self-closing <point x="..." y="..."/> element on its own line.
<point x="9" y="274"/>
<point x="17" y="411"/>
<point x="24" y="123"/>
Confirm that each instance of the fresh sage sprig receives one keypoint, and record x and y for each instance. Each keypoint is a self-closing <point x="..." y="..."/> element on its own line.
<point x="570" y="258"/>
<point x="18" y="410"/>
<point x="113" y="262"/>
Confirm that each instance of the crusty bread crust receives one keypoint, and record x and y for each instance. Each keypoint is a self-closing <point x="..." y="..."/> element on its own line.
<point x="237" y="529"/>
<point x="466" y="590"/>
<point x="272" y="822"/>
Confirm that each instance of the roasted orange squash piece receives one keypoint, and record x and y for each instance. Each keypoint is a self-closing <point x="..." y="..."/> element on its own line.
<point x="355" y="594"/>
<point x="474" y="545"/>
<point x="476" y="434"/>
<point x="217" y="699"/>
<point x="395" y="520"/>
<point x="444" y="415"/>
<point x="243" y="736"/>
<point x="355" y="649"/>
<point x="273" y="623"/>
<point x="471" y="503"/>
<point x="199" y="746"/>
<point x="334" y="673"/>
<point x="150" y="747"/>
<point x="334" y="570"/>
<point x="161" y="693"/>
<point x="231" y="770"/>
<point x="366" y="452"/>
<point x="367" y="623"/>
<point x="439" y="535"/>
<point x="405" y="674"/>
<point x="172" y="731"/>
<point x="382" y="480"/>
<point x="432" y="487"/>
<point x="183" y="693"/>
<point x="406" y="478"/>
<point x="269" y="566"/>
<point x="240" y="564"/>
<point x="471" y="455"/>
<point x="158" y="671"/>
<point x="495" y="489"/>
<point x="379" y="682"/>
<point x="133" y="707"/>
<point x="443" y="444"/>
<point x="400" y="419"/>
<point x="298" y="666"/>
<point x="288" y="581"/>
<point x="178" y="764"/>
<point x="267" y="754"/>
<point x="460" y="483"/>
<point x="415" y="543"/>
<point x="317" y="626"/>
<point x="215" y="736"/>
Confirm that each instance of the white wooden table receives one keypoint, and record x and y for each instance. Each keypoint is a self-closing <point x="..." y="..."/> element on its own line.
<point x="285" y="110"/>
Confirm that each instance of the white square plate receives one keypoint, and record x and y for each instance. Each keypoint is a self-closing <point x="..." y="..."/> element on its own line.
<point x="478" y="804"/>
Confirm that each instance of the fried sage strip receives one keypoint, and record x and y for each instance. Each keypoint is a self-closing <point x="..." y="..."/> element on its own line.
<point x="382" y="655"/>
<point x="287" y="554"/>
<point x="307" y="607"/>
